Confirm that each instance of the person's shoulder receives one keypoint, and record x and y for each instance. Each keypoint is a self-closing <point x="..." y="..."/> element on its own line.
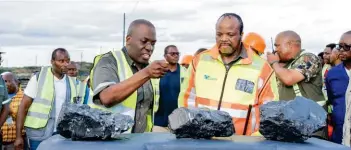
<point x="2" y="82"/>
<point x="308" y="59"/>
<point x="106" y="58"/>
<point x="336" y="69"/>
<point x="309" y="56"/>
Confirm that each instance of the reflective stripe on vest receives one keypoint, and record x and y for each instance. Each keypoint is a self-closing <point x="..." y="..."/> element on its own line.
<point x="39" y="111"/>
<point x="296" y="87"/>
<point x="240" y="90"/>
<point x="128" y="106"/>
<point x="191" y="98"/>
<point x="81" y="94"/>
<point x="325" y="69"/>
<point x="183" y="72"/>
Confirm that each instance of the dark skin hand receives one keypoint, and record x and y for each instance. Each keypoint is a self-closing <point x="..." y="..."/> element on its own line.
<point x="21" y="115"/>
<point x="125" y="88"/>
<point x="140" y="43"/>
<point x="5" y="110"/>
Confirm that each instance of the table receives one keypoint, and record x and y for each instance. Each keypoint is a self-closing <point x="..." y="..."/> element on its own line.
<point x="167" y="141"/>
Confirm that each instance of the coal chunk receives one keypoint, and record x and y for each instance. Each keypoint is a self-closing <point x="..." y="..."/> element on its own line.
<point x="80" y="122"/>
<point x="199" y="123"/>
<point x="291" y="121"/>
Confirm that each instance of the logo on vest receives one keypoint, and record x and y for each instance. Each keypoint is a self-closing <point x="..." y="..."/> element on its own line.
<point x="207" y="77"/>
<point x="245" y="85"/>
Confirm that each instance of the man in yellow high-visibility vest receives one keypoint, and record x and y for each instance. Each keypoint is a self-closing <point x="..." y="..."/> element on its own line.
<point x="83" y="91"/>
<point x="230" y="78"/>
<point x="124" y="82"/>
<point x="43" y="98"/>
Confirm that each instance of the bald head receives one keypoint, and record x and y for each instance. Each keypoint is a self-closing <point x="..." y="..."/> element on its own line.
<point x="288" y="45"/>
<point x="290" y="36"/>
<point x="9" y="75"/>
<point x="348" y="32"/>
<point x="345" y="36"/>
<point x="140" y="41"/>
<point x="12" y="82"/>
<point x="136" y="23"/>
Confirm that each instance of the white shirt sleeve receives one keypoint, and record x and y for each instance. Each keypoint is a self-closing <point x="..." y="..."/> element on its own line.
<point x="31" y="89"/>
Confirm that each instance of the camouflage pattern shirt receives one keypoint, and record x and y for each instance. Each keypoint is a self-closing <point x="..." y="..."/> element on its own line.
<point x="308" y="65"/>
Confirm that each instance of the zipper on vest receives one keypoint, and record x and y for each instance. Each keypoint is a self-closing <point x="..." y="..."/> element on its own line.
<point x="227" y="67"/>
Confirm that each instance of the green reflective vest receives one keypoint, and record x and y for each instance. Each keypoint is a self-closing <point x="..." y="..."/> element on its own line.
<point x="39" y="112"/>
<point x="81" y="88"/>
<point x="128" y="106"/>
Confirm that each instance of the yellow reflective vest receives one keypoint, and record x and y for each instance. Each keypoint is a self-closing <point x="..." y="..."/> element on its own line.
<point x="239" y="89"/>
<point x="81" y="88"/>
<point x="39" y="112"/>
<point x="325" y="69"/>
<point x="183" y="72"/>
<point x="128" y="106"/>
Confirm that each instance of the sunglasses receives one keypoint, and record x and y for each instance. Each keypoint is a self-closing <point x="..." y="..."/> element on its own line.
<point x="343" y="46"/>
<point x="174" y="53"/>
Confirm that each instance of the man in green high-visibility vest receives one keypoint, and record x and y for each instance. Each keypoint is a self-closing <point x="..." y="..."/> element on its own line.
<point x="124" y="82"/>
<point x="43" y="98"/>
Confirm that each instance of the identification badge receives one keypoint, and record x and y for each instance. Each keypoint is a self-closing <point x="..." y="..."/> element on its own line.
<point x="245" y="85"/>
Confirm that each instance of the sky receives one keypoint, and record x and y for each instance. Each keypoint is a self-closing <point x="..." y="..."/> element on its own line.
<point x="31" y="29"/>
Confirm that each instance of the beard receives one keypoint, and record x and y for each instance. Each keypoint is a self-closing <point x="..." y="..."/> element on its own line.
<point x="226" y="50"/>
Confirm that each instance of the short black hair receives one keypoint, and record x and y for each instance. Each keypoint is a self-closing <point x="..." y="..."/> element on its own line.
<point x="331" y="46"/>
<point x="241" y="24"/>
<point x="169" y="46"/>
<point x="53" y="55"/>
<point x="321" y="54"/>
<point x="137" y="23"/>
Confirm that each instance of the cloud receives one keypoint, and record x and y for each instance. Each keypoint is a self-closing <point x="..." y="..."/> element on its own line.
<point x="34" y="28"/>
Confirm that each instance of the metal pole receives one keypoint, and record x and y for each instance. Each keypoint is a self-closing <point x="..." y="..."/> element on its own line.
<point x="36" y="60"/>
<point x="81" y="59"/>
<point x="124" y="28"/>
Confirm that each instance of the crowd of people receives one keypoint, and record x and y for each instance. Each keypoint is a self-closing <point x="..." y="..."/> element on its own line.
<point x="233" y="76"/>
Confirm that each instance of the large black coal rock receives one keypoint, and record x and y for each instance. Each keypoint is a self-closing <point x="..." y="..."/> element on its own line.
<point x="199" y="123"/>
<point x="291" y="121"/>
<point x="80" y="122"/>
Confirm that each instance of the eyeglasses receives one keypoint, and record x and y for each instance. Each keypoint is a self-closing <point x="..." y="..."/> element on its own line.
<point x="343" y="46"/>
<point x="174" y="53"/>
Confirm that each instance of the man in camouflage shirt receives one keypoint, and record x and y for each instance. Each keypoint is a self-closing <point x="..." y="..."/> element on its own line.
<point x="296" y="67"/>
<point x="293" y="65"/>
